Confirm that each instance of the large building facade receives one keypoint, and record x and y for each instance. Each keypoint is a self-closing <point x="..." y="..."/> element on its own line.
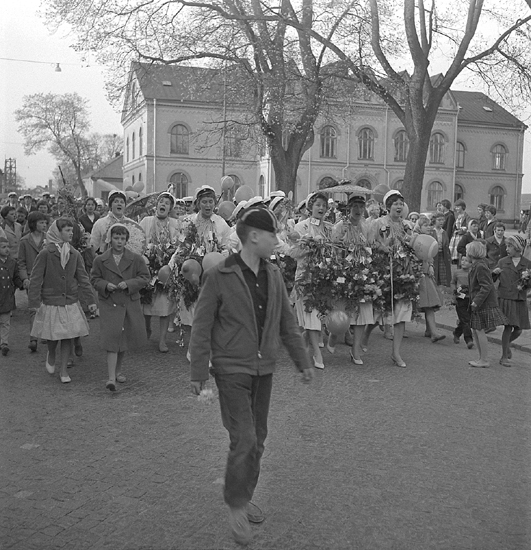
<point x="171" y="136"/>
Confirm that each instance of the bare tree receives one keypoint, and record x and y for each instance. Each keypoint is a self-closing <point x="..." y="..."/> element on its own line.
<point x="59" y="122"/>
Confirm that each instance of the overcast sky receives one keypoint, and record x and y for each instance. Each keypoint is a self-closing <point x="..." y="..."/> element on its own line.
<point x="24" y="36"/>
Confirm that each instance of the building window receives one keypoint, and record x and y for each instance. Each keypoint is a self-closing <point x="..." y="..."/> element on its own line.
<point x="179" y="140"/>
<point x="364" y="183"/>
<point x="398" y="185"/>
<point x="180" y="184"/>
<point x="459" y="192"/>
<point x="437" y="149"/>
<point x="140" y="144"/>
<point x="327" y="182"/>
<point x="140" y="176"/>
<point x="233" y="142"/>
<point x="435" y="194"/>
<point x="133" y="95"/>
<point x="328" y="142"/>
<point x="366" y="144"/>
<point x="497" y="195"/>
<point x="127" y="150"/>
<point x="133" y="146"/>
<point x="401" y="146"/>
<point x="460" y="155"/>
<point x="132" y="180"/>
<point x="261" y="186"/>
<point x="499" y="157"/>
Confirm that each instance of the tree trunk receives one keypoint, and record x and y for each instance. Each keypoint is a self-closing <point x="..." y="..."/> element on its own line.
<point x="415" y="168"/>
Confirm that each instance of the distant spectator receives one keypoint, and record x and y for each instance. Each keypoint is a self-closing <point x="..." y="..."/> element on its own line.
<point x="43" y="207"/>
<point x="449" y="218"/>
<point x="482" y="220"/>
<point x="490" y="216"/>
<point x="89" y="216"/>
<point x="12" y="229"/>
<point x="460" y="227"/>
<point x="21" y="215"/>
<point x="496" y="248"/>
<point x="471" y="235"/>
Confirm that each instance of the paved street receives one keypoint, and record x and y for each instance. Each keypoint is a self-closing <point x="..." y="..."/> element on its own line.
<point x="435" y="456"/>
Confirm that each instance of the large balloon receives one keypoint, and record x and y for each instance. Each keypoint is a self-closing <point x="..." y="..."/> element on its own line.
<point x="138" y="186"/>
<point x="225" y="209"/>
<point x="405" y="212"/>
<point x="132" y="195"/>
<point x="191" y="271"/>
<point x="164" y="273"/>
<point x="128" y="182"/>
<point x="226" y="183"/>
<point x="211" y="259"/>
<point x="243" y="193"/>
<point x="379" y="191"/>
<point x="337" y="322"/>
<point x="129" y="188"/>
<point x="425" y="246"/>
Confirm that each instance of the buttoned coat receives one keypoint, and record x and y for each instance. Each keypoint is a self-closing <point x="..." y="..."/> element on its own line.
<point x="509" y="277"/>
<point x="9" y="279"/>
<point x="495" y="251"/>
<point x="27" y="254"/>
<point x="53" y="285"/>
<point x="121" y="318"/>
<point x="480" y="285"/>
<point x="13" y="235"/>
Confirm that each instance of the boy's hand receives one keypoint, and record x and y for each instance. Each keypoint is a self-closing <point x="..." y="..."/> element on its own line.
<point x="497" y="271"/>
<point x="307" y="375"/>
<point x="197" y="386"/>
<point x="122" y="285"/>
<point x="25" y="284"/>
<point x="111" y="287"/>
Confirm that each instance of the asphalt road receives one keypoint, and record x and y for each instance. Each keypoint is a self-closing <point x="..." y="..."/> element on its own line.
<point x="434" y="456"/>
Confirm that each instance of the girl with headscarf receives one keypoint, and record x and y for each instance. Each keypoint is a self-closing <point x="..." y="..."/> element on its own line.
<point x="58" y="279"/>
<point x="162" y="233"/>
<point x="512" y="295"/>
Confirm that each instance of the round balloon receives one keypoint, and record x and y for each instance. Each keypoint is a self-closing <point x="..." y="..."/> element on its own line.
<point x="138" y="186"/>
<point x="191" y="270"/>
<point x="211" y="259"/>
<point x="405" y="212"/>
<point x="164" y="273"/>
<point x="225" y="209"/>
<point x="129" y="188"/>
<point x="379" y="191"/>
<point x="243" y="193"/>
<point x="337" y="322"/>
<point x="128" y="182"/>
<point x="425" y="246"/>
<point x="226" y="183"/>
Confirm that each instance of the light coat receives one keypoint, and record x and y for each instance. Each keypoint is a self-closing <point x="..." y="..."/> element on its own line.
<point x="509" y="278"/>
<point x="121" y="319"/>
<point x="27" y="254"/>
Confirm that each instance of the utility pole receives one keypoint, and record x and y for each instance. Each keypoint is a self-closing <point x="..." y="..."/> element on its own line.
<point x="10" y="175"/>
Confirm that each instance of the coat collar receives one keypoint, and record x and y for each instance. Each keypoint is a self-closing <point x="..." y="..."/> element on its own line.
<point x="125" y="262"/>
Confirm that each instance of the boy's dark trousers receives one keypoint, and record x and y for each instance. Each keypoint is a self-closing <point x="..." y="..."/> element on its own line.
<point x="463" y="325"/>
<point x="244" y="401"/>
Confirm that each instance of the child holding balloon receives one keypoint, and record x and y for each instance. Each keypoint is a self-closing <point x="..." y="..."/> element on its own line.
<point x="118" y="275"/>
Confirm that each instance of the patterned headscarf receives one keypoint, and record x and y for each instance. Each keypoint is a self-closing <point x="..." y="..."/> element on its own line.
<point x="53" y="236"/>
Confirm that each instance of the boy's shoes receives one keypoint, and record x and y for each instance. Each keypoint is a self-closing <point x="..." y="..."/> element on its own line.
<point x="254" y="514"/>
<point x="470" y="345"/>
<point x="33" y="345"/>
<point x="5" y="349"/>
<point x="78" y="350"/>
<point x="111" y="385"/>
<point x="121" y="378"/>
<point x="239" y="524"/>
<point x="456" y="339"/>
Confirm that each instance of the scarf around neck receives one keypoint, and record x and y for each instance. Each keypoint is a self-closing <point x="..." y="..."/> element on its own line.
<point x="53" y="236"/>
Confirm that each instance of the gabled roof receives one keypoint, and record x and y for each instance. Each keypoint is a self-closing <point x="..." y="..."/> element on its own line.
<point x="111" y="169"/>
<point x="179" y="83"/>
<point x="479" y="108"/>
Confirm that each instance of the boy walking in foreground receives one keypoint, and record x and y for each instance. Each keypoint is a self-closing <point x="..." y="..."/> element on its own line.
<point x="242" y="316"/>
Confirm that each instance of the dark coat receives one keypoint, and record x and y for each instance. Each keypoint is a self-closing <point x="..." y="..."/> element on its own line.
<point x="52" y="285"/>
<point x="121" y="318"/>
<point x="509" y="277"/>
<point x="449" y="222"/>
<point x="481" y="287"/>
<point x="27" y="254"/>
<point x="225" y="331"/>
<point x="495" y="251"/>
<point x="465" y="239"/>
<point x="86" y="222"/>
<point x="9" y="279"/>
<point x="488" y="228"/>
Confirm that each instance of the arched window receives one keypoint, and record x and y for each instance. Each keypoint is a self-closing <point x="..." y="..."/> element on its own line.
<point x="140" y="144"/>
<point x="401" y="146"/>
<point x="233" y="142"/>
<point x="499" y="157"/>
<point x="460" y="155"/>
<point x="326" y="182"/>
<point x="459" y="192"/>
<point x="364" y="183"/>
<point x="435" y="194"/>
<point x="328" y="142"/>
<point x="127" y="150"/>
<point x="179" y="140"/>
<point x="366" y="144"/>
<point x="437" y="148"/>
<point x="237" y="185"/>
<point x="180" y="184"/>
<point x="133" y="146"/>
<point x="261" y="186"/>
<point x="398" y="185"/>
<point x="497" y="195"/>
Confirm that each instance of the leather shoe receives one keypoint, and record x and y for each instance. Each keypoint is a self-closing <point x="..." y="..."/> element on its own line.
<point x="5" y="349"/>
<point x="470" y="345"/>
<point x="78" y="350"/>
<point x="239" y="524"/>
<point x="479" y="364"/>
<point x="66" y="379"/>
<point x="254" y="514"/>
<point x="354" y="360"/>
<point x="121" y="378"/>
<point x="456" y="339"/>
<point x="398" y="363"/>
<point x="436" y="339"/>
<point x="111" y="385"/>
<point x="33" y="345"/>
<point x="49" y="368"/>
<point x="318" y="365"/>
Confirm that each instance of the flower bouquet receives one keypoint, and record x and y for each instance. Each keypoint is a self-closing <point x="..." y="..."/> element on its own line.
<point x="524" y="283"/>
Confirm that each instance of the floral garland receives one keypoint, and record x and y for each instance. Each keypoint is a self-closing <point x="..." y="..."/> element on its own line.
<point x="287" y="266"/>
<point x="158" y="253"/>
<point x="524" y="282"/>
